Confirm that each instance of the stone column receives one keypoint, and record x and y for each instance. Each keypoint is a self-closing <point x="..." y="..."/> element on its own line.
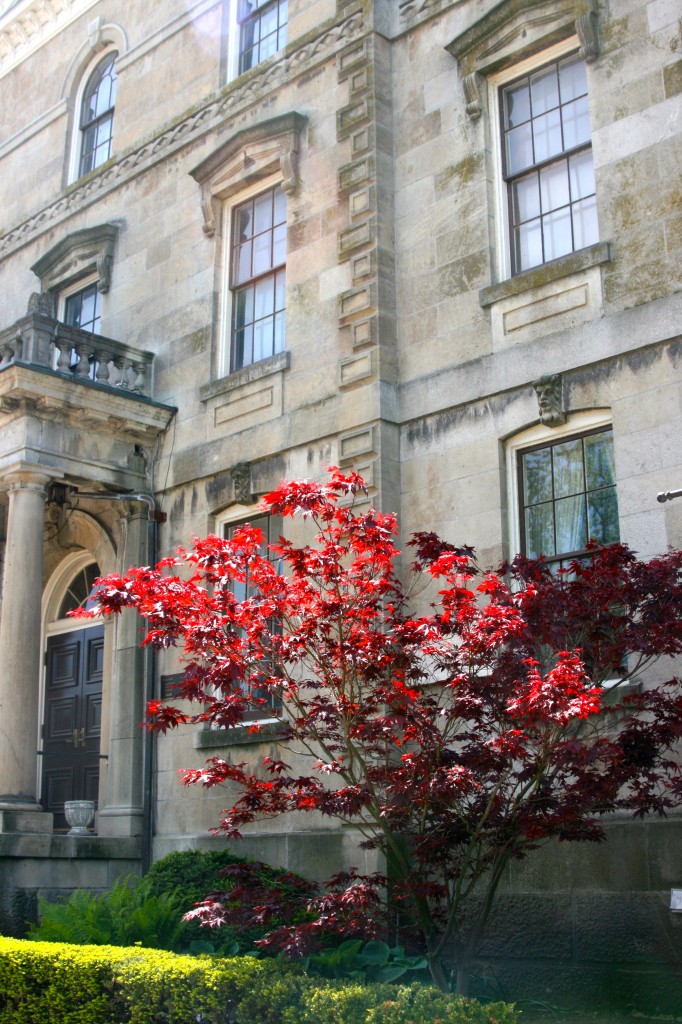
<point x="122" y="814"/>
<point x="20" y="642"/>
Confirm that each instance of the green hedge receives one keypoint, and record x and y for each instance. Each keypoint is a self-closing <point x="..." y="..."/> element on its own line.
<point x="54" y="983"/>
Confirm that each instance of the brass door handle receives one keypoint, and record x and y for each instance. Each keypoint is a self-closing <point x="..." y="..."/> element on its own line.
<point x="78" y="738"/>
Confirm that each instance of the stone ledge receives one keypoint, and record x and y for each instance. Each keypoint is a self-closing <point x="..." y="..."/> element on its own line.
<point x="573" y="263"/>
<point x="64" y="847"/>
<point x="263" y="368"/>
<point x="240" y="735"/>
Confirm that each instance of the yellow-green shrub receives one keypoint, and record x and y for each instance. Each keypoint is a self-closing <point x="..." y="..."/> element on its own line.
<point x="55" y="983"/>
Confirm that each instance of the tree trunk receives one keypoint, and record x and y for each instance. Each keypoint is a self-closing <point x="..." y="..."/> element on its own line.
<point x="439" y="975"/>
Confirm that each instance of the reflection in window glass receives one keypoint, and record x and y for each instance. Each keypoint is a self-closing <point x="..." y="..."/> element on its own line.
<point x="81" y="591"/>
<point x="568" y="492"/>
<point x="263" y="30"/>
<point x="258" y="278"/>
<point x="97" y="115"/>
<point x="548" y="164"/>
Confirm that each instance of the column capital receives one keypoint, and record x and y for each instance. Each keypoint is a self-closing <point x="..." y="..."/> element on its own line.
<point x="27" y="476"/>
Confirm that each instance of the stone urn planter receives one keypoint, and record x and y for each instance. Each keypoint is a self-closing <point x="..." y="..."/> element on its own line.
<point x="79" y="814"/>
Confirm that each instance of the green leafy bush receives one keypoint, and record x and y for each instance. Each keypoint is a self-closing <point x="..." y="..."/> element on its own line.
<point x="369" y="961"/>
<point x="124" y="915"/>
<point x="192" y="874"/>
<point x="149" y="911"/>
<point x="55" y="983"/>
<point x="290" y="999"/>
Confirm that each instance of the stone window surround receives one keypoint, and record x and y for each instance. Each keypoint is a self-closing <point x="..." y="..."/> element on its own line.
<point x="576" y="423"/>
<point x="254" y="158"/>
<point x="512" y="38"/>
<point x="77" y="258"/>
<point x="102" y="39"/>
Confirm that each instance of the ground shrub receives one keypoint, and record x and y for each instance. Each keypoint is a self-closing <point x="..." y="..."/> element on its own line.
<point x="56" y="983"/>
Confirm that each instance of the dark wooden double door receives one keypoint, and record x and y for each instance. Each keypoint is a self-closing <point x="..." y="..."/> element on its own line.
<point x="73" y="719"/>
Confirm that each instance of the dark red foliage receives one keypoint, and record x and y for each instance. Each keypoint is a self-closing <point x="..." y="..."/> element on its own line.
<point x="516" y="709"/>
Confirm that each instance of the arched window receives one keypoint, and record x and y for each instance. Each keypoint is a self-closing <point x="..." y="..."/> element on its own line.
<point x="81" y="591"/>
<point x="97" y="115"/>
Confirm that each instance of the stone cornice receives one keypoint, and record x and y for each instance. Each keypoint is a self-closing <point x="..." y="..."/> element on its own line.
<point x="27" y="24"/>
<point x="221" y="110"/>
<point x="29" y="390"/>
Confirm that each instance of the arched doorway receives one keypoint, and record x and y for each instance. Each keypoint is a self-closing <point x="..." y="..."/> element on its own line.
<point x="72" y="722"/>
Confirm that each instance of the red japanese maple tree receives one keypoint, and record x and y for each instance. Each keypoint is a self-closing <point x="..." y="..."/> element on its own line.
<point x="453" y="738"/>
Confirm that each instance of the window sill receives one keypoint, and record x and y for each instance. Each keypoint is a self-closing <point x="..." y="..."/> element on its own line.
<point x="573" y="263"/>
<point x="256" y="371"/>
<point x="241" y="735"/>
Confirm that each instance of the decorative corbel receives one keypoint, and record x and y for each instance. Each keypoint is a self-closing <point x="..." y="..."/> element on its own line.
<point x="288" y="163"/>
<point x="549" y="391"/>
<point x="241" y="481"/>
<point x="105" y="260"/>
<point x="472" y="93"/>
<point x="586" y="27"/>
<point x="209" y="212"/>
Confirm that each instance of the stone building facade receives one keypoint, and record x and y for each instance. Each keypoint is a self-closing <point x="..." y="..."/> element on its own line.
<point x="437" y="241"/>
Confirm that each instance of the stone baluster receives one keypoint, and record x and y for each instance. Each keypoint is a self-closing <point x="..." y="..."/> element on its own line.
<point x="65" y="349"/>
<point x="82" y="368"/>
<point x="20" y="637"/>
<point x="102" y="359"/>
<point x="120" y="378"/>
<point x="140" y="384"/>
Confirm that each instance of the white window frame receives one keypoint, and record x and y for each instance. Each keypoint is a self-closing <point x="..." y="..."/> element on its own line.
<point x="76" y="135"/>
<point x="226" y="298"/>
<point x="576" y="423"/>
<point x="495" y="82"/>
<point x="234" y="52"/>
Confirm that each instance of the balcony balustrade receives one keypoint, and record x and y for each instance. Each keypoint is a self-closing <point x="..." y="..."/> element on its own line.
<point x="41" y="341"/>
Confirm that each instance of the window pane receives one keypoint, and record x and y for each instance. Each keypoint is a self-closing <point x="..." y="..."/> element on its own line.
<point x="585" y="227"/>
<point x="528" y="245"/>
<point x="556" y="234"/>
<point x="517" y="105"/>
<point x="576" y="121"/>
<point x="263" y="213"/>
<point x="262" y="338"/>
<point x="243" y="347"/>
<point x="262" y="254"/>
<point x="571" y="525"/>
<point x="539" y="539"/>
<point x="599" y="461"/>
<point x="525" y="199"/>
<point x="581" y="172"/>
<point x="547" y="136"/>
<point x="519" y="149"/>
<point x="241" y="270"/>
<point x="572" y="79"/>
<point x="544" y="90"/>
<point x="243" y="312"/>
<point x="537" y="476"/>
<point x="244" y="222"/>
<point x="280" y="332"/>
<point x="602" y="509"/>
<point x="279" y="245"/>
<point x="280" y="289"/>
<point x="265" y="297"/>
<point x="554" y="186"/>
<point x="568" y="468"/>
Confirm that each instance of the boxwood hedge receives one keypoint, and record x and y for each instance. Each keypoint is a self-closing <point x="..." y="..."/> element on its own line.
<point x="56" y="983"/>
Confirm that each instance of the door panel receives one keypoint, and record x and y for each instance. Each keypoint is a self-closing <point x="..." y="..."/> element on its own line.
<point x="73" y="715"/>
